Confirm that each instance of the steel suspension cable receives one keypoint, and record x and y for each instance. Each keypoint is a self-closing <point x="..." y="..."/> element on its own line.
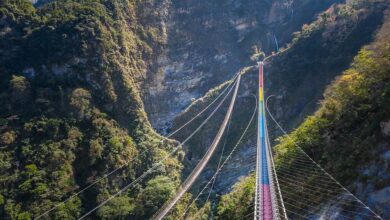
<point x="219" y="169"/>
<point x="165" y="158"/>
<point x="201" y="165"/>
<point x="274" y="174"/>
<point x="220" y="160"/>
<point x="325" y="172"/>
<point x="340" y="201"/>
<point x="128" y="162"/>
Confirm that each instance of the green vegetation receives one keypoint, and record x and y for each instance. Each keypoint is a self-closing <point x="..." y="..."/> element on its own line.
<point x="317" y="54"/>
<point x="237" y="204"/>
<point x="70" y="110"/>
<point x="299" y="76"/>
<point x="156" y="192"/>
<point x="345" y="134"/>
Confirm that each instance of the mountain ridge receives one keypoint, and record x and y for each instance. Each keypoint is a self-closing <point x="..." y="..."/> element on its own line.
<point x="85" y="84"/>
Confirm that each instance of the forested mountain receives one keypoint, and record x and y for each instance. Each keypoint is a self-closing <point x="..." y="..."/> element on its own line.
<point x="356" y="105"/>
<point x="298" y="76"/>
<point x="85" y="84"/>
<point x="70" y="109"/>
<point x="348" y="134"/>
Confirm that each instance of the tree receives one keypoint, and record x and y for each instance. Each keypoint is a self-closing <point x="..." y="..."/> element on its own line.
<point x="118" y="208"/>
<point x="235" y="204"/>
<point x="7" y="138"/>
<point x="20" y="89"/>
<point x="80" y="100"/>
<point x="153" y="196"/>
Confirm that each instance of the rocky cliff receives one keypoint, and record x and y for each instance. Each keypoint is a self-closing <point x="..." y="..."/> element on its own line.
<point x="80" y="81"/>
<point x="299" y="75"/>
<point x="208" y="41"/>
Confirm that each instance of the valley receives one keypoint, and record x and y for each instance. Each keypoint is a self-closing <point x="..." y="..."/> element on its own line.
<point x="94" y="95"/>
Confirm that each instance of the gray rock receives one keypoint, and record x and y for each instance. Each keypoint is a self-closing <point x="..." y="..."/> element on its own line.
<point x="386" y="155"/>
<point x="385" y="128"/>
<point x="380" y="196"/>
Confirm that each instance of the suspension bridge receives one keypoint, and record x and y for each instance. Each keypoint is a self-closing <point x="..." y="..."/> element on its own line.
<point x="265" y="198"/>
<point x="282" y="192"/>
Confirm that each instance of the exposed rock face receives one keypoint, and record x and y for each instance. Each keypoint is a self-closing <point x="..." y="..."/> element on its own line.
<point x="236" y="168"/>
<point x="208" y="41"/>
<point x="386" y="128"/>
<point x="374" y="189"/>
<point x="297" y="76"/>
<point x="40" y="2"/>
<point x="381" y="198"/>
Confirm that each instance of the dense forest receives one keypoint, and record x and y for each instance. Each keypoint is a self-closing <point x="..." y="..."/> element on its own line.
<point x="356" y="104"/>
<point x="70" y="110"/>
<point x="73" y="76"/>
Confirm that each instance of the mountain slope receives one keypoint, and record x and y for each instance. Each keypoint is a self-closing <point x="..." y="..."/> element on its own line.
<point x="208" y="41"/>
<point x="298" y="75"/>
<point x="348" y="135"/>
<point x="77" y="75"/>
<point x="70" y="109"/>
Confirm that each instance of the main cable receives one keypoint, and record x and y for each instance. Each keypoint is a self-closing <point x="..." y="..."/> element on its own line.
<point x="160" y="162"/>
<point x="203" y="162"/>
<point x="220" y="159"/>
<point x="128" y="162"/>
<point x="224" y="162"/>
